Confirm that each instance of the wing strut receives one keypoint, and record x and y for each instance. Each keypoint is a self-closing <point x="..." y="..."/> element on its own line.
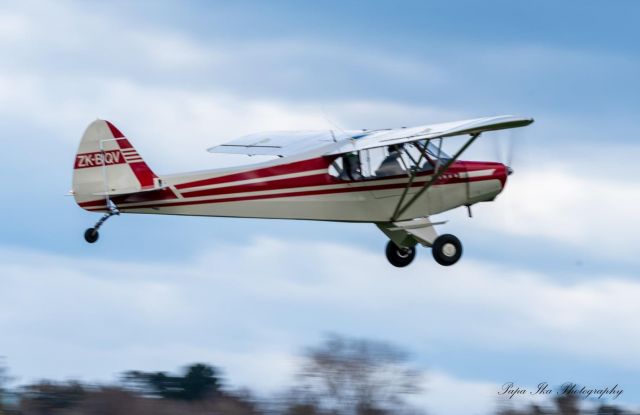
<point x="400" y="209"/>
<point x="412" y="176"/>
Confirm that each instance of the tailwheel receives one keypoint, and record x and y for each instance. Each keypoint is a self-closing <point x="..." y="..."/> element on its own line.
<point x="446" y="249"/>
<point x="91" y="235"/>
<point x="400" y="257"/>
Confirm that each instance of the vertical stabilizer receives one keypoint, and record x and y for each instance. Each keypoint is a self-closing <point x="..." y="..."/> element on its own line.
<point x="107" y="164"/>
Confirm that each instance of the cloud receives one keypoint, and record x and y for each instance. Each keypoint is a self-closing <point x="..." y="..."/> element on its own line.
<point x="13" y="27"/>
<point x="572" y="205"/>
<point x="72" y="65"/>
<point x="447" y="394"/>
<point x="165" y="120"/>
<point x="82" y="41"/>
<point x="172" y="126"/>
<point x="252" y="309"/>
<point x="239" y="299"/>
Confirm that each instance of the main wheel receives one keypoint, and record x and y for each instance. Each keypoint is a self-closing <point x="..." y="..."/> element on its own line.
<point x="446" y="249"/>
<point x="91" y="235"/>
<point x="400" y="257"/>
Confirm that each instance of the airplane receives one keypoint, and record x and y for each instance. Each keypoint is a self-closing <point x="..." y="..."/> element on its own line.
<point x="393" y="178"/>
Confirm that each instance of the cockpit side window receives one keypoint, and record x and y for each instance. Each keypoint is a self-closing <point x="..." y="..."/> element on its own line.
<point x="383" y="162"/>
<point x="393" y="160"/>
<point x="347" y="167"/>
<point x="336" y="167"/>
<point x="352" y="167"/>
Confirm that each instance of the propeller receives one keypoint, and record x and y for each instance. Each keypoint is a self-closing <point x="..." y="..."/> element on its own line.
<point x="505" y="149"/>
<point x="509" y="150"/>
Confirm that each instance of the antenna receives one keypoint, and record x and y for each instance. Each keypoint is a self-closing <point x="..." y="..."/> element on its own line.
<point x="326" y="117"/>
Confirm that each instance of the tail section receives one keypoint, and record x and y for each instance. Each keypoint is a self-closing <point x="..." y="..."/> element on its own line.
<point x="107" y="164"/>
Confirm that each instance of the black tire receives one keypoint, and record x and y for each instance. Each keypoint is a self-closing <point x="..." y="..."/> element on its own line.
<point x="446" y="249"/>
<point x="400" y="257"/>
<point x="91" y="235"/>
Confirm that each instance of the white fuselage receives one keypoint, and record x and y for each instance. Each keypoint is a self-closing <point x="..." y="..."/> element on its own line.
<point x="304" y="189"/>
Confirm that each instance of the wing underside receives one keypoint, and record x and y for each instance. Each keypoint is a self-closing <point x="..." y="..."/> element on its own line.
<point x="287" y="143"/>
<point x="280" y="143"/>
<point x="405" y="135"/>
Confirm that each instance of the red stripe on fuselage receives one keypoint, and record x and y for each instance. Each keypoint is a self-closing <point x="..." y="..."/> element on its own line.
<point x="305" y="181"/>
<point x="312" y="180"/>
<point x="296" y="167"/>
<point x="273" y="195"/>
<point x="500" y="172"/>
<point x="452" y="176"/>
<point x="288" y="194"/>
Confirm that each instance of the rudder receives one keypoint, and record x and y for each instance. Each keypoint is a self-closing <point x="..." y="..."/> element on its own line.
<point x="107" y="164"/>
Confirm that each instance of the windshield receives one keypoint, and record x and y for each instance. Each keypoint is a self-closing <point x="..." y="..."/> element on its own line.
<point x="435" y="151"/>
<point x="424" y="154"/>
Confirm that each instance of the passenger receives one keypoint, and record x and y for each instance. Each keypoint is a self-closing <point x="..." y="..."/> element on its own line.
<point x="391" y="165"/>
<point x="427" y="165"/>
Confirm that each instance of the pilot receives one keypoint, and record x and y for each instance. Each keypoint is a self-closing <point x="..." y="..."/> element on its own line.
<point x="351" y="163"/>
<point x="391" y="165"/>
<point x="426" y="165"/>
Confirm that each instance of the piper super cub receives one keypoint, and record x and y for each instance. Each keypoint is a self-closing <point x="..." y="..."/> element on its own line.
<point x="393" y="178"/>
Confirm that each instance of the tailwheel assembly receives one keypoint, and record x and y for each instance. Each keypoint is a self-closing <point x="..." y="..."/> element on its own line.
<point x="91" y="235"/>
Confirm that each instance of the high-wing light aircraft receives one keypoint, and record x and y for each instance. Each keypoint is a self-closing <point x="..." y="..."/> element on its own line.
<point x="393" y="178"/>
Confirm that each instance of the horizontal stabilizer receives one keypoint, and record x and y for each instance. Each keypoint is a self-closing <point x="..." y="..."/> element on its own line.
<point x="129" y="191"/>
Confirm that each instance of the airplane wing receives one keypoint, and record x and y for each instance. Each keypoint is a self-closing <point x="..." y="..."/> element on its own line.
<point x="381" y="138"/>
<point x="280" y="143"/>
<point x="286" y="143"/>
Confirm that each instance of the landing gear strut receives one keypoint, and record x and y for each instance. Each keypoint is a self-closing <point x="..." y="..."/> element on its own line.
<point x="91" y="235"/>
<point x="400" y="257"/>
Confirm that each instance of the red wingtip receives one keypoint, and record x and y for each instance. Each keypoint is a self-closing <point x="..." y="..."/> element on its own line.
<point x="116" y="133"/>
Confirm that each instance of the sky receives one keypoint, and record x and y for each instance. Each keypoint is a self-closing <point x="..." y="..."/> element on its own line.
<point x="546" y="290"/>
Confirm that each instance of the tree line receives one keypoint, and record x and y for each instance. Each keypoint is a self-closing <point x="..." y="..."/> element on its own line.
<point x="341" y="376"/>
